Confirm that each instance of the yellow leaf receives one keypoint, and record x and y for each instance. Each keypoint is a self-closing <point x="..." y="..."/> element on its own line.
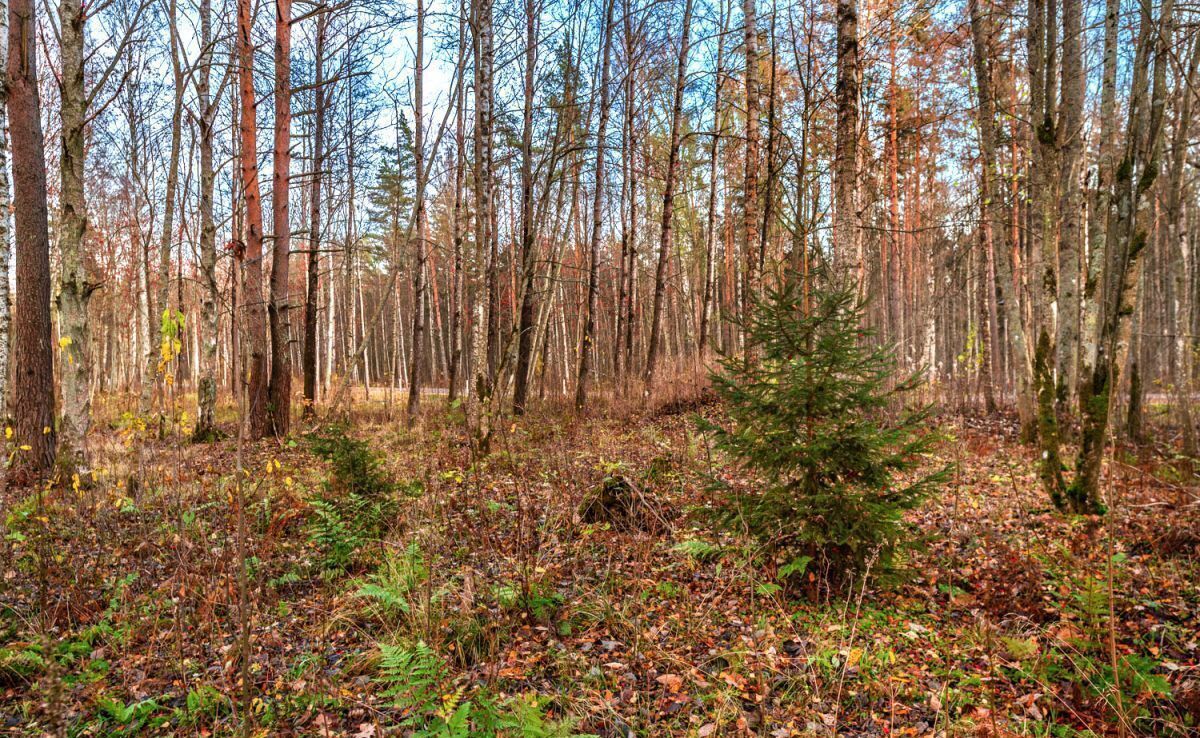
<point x="854" y="657"/>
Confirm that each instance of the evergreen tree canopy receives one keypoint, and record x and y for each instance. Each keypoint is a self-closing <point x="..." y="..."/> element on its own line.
<point x="814" y="418"/>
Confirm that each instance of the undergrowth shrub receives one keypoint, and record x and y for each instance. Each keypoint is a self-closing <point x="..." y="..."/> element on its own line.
<point x="815" y="422"/>
<point x="355" y="503"/>
<point x="433" y="705"/>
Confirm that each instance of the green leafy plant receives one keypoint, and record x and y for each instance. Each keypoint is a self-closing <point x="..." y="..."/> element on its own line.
<point x="204" y="701"/>
<point x="697" y="549"/>
<point x="537" y="599"/>
<point x="338" y="538"/>
<point x="20" y="662"/>
<point x="525" y="717"/>
<point x="132" y="717"/>
<point x="397" y="588"/>
<point x="814" y="418"/>
<point x="414" y="676"/>
<point x="355" y="503"/>
<point x="434" y="706"/>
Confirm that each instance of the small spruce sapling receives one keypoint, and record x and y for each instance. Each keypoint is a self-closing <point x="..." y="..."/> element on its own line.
<point x="816" y="420"/>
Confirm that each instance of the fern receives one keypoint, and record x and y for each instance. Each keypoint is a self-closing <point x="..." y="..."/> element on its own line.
<point x="526" y="718"/>
<point x="390" y="599"/>
<point x="334" y="536"/>
<point x="393" y="583"/>
<point x="412" y="676"/>
<point x="133" y="716"/>
<point x="20" y="662"/>
<point x="356" y="502"/>
<point x="697" y="549"/>
<point x="418" y="681"/>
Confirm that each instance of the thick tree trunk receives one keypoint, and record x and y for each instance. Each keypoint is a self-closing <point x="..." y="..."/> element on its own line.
<point x="280" y="387"/>
<point x="75" y="286"/>
<point x="5" y="223"/>
<point x="1127" y="236"/>
<point x="252" y="290"/>
<point x="1043" y="237"/>
<point x="481" y="348"/>
<point x="33" y="380"/>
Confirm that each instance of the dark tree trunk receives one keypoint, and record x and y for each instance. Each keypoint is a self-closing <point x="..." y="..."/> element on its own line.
<point x="33" y="383"/>
<point x="668" y="207"/>
<point x="280" y="387"/>
<point x="313" y="294"/>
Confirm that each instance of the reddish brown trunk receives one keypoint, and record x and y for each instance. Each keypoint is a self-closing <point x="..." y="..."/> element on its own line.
<point x="33" y="383"/>
<point x="256" y="313"/>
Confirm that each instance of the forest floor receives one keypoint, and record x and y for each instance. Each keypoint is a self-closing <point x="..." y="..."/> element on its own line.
<point x="487" y="598"/>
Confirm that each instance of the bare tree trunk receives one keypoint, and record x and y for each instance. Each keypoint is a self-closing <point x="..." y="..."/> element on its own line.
<point x="993" y="209"/>
<point x="846" y="235"/>
<point x="593" y="287"/>
<point x="1177" y="234"/>
<point x="1042" y="235"/>
<point x="280" y="384"/>
<point x="890" y="247"/>
<point x="206" y="392"/>
<point x="528" y="261"/>
<point x="482" y="355"/>
<point x="750" y="211"/>
<point x="159" y="354"/>
<point x="668" y="206"/>
<point x="768" y="201"/>
<point x="313" y="262"/>
<point x="456" y="224"/>
<point x="1126" y="239"/>
<point x="75" y="286"/>
<point x="5" y="224"/>
<point x="1105" y="167"/>
<point x="629" y="237"/>
<point x="1071" y="150"/>
<point x="490" y="212"/>
<point x="418" y="313"/>
<point x="710" y="234"/>
<point x="252" y="292"/>
<point x="33" y="382"/>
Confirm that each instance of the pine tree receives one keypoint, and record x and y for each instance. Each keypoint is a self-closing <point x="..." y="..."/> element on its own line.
<point x="815" y="419"/>
<point x="390" y="199"/>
